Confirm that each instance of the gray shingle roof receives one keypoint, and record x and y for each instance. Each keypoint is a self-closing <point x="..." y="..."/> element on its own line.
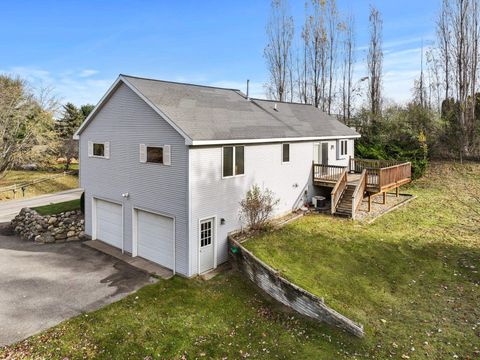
<point x="212" y="113"/>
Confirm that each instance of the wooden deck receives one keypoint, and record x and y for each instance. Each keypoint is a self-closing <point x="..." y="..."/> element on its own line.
<point x="381" y="175"/>
<point x="361" y="178"/>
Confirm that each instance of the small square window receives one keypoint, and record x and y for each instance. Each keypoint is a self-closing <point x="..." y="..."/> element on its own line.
<point x="285" y="153"/>
<point x="155" y="154"/>
<point x="99" y="149"/>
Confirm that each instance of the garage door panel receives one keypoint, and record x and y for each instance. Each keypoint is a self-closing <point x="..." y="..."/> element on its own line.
<point x="155" y="238"/>
<point x="109" y="222"/>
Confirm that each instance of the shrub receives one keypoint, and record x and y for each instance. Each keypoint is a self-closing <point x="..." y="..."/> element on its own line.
<point x="257" y="207"/>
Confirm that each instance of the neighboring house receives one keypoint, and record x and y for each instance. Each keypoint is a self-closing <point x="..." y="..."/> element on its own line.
<point x="164" y="165"/>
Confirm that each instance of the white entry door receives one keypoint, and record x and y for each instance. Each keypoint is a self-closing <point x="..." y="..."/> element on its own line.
<point x="155" y="238"/>
<point x="207" y="245"/>
<point x="109" y="223"/>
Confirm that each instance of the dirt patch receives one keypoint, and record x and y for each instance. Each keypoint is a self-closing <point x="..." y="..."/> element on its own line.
<point x="379" y="208"/>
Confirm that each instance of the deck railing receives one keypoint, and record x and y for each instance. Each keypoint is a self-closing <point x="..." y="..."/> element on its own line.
<point x="394" y="175"/>
<point x="357" y="165"/>
<point x="357" y="196"/>
<point x="382" y="174"/>
<point x="327" y="172"/>
<point x="338" y="190"/>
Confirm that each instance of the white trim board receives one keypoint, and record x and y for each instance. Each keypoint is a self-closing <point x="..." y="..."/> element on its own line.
<point x="272" y="140"/>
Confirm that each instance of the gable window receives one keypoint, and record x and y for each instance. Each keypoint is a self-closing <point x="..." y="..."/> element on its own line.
<point x="343" y="147"/>
<point x="99" y="149"/>
<point x="285" y="153"/>
<point x="233" y="161"/>
<point x="155" y="154"/>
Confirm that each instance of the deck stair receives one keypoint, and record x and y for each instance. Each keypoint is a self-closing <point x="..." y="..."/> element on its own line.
<point x="344" y="207"/>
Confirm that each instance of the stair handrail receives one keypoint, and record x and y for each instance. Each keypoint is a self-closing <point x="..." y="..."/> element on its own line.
<point x="339" y="189"/>
<point x="358" y="193"/>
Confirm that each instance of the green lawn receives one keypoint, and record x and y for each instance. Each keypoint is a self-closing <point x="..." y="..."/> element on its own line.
<point x="50" y="186"/>
<point x="58" y="208"/>
<point x="411" y="278"/>
<point x="179" y="319"/>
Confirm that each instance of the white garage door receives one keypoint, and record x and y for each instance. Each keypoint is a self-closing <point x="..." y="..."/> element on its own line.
<point x="109" y="223"/>
<point x="155" y="238"/>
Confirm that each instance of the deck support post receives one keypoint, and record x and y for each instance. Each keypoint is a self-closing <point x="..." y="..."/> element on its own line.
<point x="384" y="197"/>
<point x="397" y="191"/>
<point x="369" y="202"/>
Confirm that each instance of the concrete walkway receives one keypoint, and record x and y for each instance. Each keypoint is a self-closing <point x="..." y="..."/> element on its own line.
<point x="10" y="208"/>
<point x="137" y="262"/>
<point x="42" y="285"/>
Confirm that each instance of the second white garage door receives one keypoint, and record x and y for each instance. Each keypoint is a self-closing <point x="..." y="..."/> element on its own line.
<point x="155" y="238"/>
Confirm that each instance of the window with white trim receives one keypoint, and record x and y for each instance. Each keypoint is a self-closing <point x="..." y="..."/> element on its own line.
<point x="343" y="147"/>
<point x="99" y="149"/>
<point x="155" y="154"/>
<point x="285" y="153"/>
<point x="233" y="161"/>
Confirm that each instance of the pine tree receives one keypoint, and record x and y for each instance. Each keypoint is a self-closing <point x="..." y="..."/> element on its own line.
<point x="71" y="119"/>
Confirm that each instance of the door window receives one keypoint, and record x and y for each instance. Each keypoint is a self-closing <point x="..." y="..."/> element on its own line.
<point x="206" y="233"/>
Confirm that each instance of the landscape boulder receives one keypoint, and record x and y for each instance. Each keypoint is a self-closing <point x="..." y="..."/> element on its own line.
<point x="66" y="226"/>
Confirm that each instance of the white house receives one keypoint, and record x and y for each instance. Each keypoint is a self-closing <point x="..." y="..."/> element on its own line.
<point x="164" y="165"/>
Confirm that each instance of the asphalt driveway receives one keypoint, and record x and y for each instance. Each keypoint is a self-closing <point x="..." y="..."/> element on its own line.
<point x="42" y="285"/>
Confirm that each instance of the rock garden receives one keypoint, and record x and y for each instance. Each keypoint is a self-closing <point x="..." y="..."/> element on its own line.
<point x="66" y="226"/>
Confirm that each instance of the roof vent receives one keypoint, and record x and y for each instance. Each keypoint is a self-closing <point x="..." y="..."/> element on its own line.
<point x="275" y="107"/>
<point x="248" y="88"/>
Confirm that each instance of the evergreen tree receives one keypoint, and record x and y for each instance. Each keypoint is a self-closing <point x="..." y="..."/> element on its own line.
<point x="71" y="119"/>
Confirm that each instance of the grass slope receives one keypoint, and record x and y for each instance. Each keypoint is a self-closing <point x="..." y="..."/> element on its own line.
<point x="180" y="318"/>
<point x="58" y="208"/>
<point x="50" y="186"/>
<point x="412" y="278"/>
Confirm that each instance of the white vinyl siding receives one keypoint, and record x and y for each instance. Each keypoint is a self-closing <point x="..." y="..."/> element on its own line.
<point x="127" y="121"/>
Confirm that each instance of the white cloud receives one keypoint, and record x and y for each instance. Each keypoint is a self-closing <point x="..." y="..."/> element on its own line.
<point x="87" y="73"/>
<point x="78" y="87"/>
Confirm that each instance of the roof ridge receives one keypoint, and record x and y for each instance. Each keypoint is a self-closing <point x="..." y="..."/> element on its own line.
<point x="281" y="102"/>
<point x="177" y="82"/>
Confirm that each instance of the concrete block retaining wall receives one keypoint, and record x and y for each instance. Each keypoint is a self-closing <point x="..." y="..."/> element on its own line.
<point x="287" y="293"/>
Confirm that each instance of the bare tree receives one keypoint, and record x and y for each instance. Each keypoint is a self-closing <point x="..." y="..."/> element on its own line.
<point x="333" y="25"/>
<point x="280" y="31"/>
<point x="375" y="63"/>
<point x="348" y="62"/>
<point x="434" y="80"/>
<point x="317" y="52"/>
<point x="419" y="88"/>
<point x="443" y="35"/>
<point x="458" y="32"/>
<point x="302" y="63"/>
<point x="25" y="121"/>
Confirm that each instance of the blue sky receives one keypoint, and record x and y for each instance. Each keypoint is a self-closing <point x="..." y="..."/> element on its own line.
<point x="79" y="47"/>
